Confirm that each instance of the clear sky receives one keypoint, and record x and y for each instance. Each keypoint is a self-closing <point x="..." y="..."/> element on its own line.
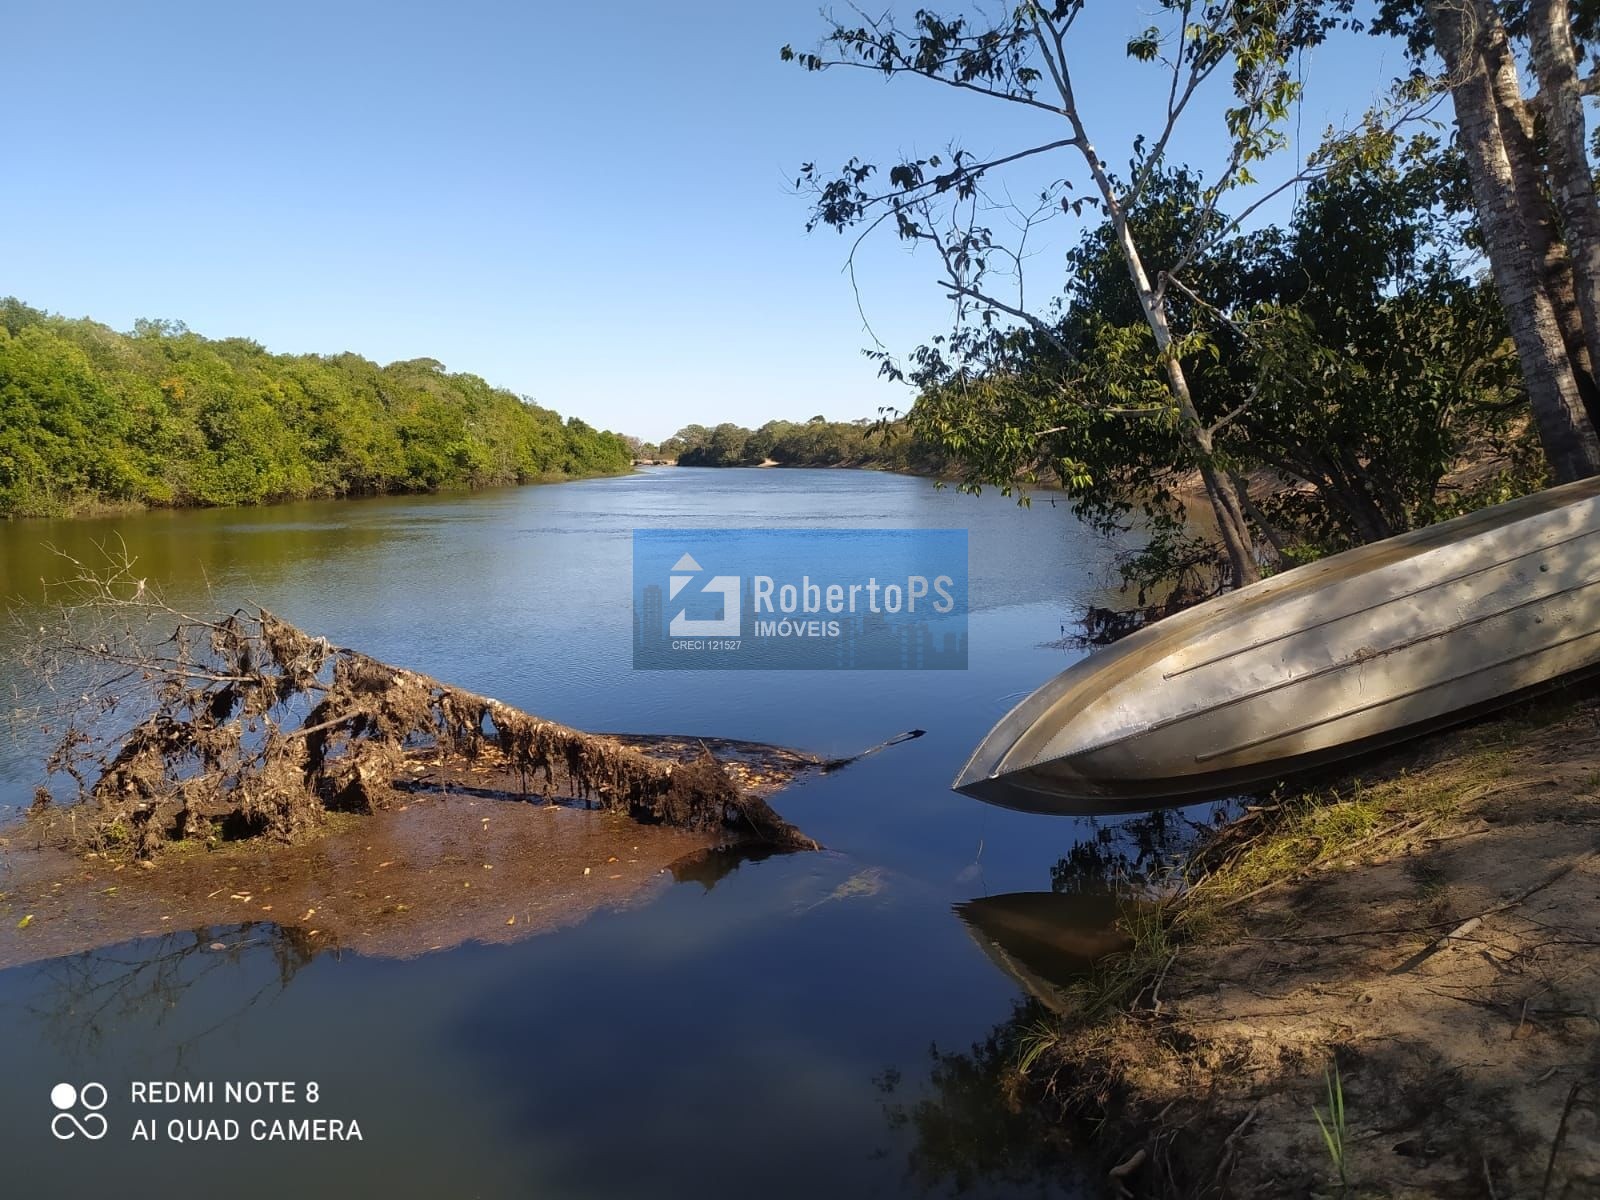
<point x="590" y="205"/>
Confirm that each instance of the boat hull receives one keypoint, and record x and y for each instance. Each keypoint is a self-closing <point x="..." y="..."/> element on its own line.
<point x="1354" y="652"/>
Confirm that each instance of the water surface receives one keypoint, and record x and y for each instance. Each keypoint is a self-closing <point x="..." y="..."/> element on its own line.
<point x="766" y="1033"/>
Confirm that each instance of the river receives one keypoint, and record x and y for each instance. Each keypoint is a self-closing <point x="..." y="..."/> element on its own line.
<point x="772" y="1035"/>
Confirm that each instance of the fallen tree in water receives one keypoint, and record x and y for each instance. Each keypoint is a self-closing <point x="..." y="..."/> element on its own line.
<point x="244" y="725"/>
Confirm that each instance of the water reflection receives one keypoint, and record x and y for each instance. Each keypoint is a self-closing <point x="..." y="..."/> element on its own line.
<point x="1139" y="852"/>
<point x="86" y="999"/>
<point x="710" y="867"/>
<point x="719" y="1040"/>
<point x="1045" y="940"/>
<point x="970" y="1129"/>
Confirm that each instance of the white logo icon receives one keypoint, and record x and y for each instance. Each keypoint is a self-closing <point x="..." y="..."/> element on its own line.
<point x="66" y="1124"/>
<point x="682" y="626"/>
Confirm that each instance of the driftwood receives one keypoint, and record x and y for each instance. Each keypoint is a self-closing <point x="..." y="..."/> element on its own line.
<point x="252" y="727"/>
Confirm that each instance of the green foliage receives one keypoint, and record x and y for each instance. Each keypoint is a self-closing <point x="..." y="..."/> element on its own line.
<point x="816" y="443"/>
<point x="163" y="416"/>
<point x="1349" y="364"/>
<point x="1351" y="354"/>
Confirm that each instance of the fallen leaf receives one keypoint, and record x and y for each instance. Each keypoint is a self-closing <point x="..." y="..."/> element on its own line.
<point x="25" y="922"/>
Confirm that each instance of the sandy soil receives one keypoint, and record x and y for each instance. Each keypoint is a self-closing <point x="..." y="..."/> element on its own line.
<point x="1449" y="967"/>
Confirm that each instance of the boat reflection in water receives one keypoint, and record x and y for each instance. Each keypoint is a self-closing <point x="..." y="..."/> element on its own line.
<point x="1045" y="940"/>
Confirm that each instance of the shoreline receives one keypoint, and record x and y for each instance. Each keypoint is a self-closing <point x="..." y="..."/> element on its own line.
<point x="1417" y="942"/>
<point x="100" y="509"/>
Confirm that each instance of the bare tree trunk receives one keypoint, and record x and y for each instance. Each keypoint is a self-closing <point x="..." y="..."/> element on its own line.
<point x="1550" y="33"/>
<point x="1545" y="241"/>
<point x="1274" y="537"/>
<point x="1232" y="526"/>
<point x="1564" y="427"/>
<point x="1231" y="522"/>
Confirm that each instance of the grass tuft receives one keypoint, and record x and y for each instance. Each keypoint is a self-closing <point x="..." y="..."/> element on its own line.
<point x="1333" y="1127"/>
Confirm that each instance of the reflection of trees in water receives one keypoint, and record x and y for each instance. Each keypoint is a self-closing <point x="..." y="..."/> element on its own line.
<point x="972" y="1130"/>
<point x="1138" y="851"/>
<point x="96" y="995"/>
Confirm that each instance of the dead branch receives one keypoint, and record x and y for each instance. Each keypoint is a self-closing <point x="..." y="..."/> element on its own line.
<point x="244" y="725"/>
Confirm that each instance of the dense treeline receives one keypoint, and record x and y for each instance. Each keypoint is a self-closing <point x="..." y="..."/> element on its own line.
<point x="163" y="416"/>
<point x="814" y="443"/>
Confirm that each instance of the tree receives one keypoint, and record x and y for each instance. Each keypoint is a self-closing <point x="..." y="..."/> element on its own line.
<point x="1349" y="354"/>
<point x="1572" y="180"/>
<point x="1027" y="57"/>
<point x="1469" y="38"/>
<point x="1376" y="363"/>
<point x="165" y="416"/>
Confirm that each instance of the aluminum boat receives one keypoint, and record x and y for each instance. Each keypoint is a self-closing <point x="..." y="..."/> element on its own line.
<point x="1350" y="653"/>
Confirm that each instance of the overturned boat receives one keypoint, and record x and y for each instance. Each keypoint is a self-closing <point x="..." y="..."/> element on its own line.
<point x="1343" y="655"/>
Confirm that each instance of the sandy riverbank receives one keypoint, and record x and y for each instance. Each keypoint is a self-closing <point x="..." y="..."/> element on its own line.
<point x="1430" y="930"/>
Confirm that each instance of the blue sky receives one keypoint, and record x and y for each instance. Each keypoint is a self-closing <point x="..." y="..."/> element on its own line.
<point x="589" y="205"/>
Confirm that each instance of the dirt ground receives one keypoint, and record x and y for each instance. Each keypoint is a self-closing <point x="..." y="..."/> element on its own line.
<point x="1444" y="960"/>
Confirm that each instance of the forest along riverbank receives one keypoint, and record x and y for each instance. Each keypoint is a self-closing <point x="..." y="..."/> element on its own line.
<point x="1416" y="944"/>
